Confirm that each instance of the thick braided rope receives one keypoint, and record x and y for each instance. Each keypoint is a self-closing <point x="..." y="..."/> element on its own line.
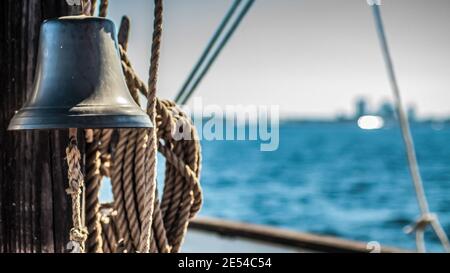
<point x="93" y="7"/>
<point x="174" y="161"/>
<point x="128" y="186"/>
<point x="87" y="7"/>
<point x="105" y="156"/>
<point x="151" y="147"/>
<point x="128" y="178"/>
<point x="173" y="184"/>
<point x="159" y="241"/>
<point x="123" y="177"/>
<point x="93" y="183"/>
<point x="165" y="124"/>
<point x="78" y="234"/>
<point x="119" y="187"/>
<point x="124" y="32"/>
<point x="110" y="233"/>
<point x="179" y="211"/>
<point x="187" y="200"/>
<point x="159" y="232"/>
<point x="133" y="175"/>
<point x="118" y="190"/>
<point x="173" y="194"/>
<point x="103" y="11"/>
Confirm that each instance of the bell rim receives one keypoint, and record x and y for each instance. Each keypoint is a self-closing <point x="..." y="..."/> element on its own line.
<point x="78" y="19"/>
<point x="24" y="123"/>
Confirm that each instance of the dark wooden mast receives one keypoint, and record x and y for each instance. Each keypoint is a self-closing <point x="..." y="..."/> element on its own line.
<point x="34" y="208"/>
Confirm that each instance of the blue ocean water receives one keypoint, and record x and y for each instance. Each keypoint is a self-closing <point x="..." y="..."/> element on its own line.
<point x="330" y="178"/>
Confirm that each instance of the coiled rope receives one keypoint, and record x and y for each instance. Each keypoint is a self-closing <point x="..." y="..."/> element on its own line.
<point x="138" y="221"/>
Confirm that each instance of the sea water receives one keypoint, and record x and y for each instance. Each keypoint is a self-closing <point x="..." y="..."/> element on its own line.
<point x="329" y="178"/>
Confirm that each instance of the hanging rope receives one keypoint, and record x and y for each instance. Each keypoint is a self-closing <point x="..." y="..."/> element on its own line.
<point x="78" y="233"/>
<point x="426" y="218"/>
<point x="124" y="32"/>
<point x="150" y="149"/>
<point x="103" y="10"/>
<point x="93" y="4"/>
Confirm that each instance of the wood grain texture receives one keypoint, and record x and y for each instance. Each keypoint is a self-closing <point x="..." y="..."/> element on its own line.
<point x="34" y="208"/>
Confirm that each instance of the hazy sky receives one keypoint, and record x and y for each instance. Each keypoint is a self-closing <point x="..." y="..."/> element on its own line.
<point x="311" y="57"/>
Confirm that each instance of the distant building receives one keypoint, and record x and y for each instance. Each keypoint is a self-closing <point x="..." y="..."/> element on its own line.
<point x="412" y="113"/>
<point x="360" y="108"/>
<point x="386" y="111"/>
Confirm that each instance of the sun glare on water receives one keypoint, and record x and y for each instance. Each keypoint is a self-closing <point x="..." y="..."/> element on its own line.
<point x="370" y="122"/>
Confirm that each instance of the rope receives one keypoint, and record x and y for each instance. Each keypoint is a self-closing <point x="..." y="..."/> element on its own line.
<point x="104" y="148"/>
<point x="146" y="173"/>
<point x="209" y="47"/>
<point x="93" y="183"/>
<point x="78" y="234"/>
<point x="124" y="32"/>
<point x="168" y="238"/>
<point x="173" y="186"/>
<point x="123" y="176"/>
<point x="87" y="7"/>
<point x="103" y="12"/>
<point x="93" y="7"/>
<point x="128" y="178"/>
<point x="426" y="218"/>
<point x="117" y="187"/>
<point x="184" y="94"/>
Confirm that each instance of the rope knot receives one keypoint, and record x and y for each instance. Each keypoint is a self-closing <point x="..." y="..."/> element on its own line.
<point x="77" y="238"/>
<point x="78" y="235"/>
<point x="74" y="188"/>
<point x="421" y="223"/>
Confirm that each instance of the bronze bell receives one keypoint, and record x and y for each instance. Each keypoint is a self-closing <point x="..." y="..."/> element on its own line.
<point x="79" y="81"/>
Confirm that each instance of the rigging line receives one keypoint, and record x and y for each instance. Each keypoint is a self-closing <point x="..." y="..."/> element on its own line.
<point x="208" y="48"/>
<point x="426" y="217"/>
<point x="222" y="44"/>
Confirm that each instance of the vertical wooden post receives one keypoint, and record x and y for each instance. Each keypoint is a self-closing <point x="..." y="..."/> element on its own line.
<point x="34" y="208"/>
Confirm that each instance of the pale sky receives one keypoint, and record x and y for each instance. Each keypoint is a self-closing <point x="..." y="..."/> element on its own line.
<point x="310" y="57"/>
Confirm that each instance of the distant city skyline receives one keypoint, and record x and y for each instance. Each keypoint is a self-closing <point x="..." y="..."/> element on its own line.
<point x="384" y="109"/>
<point x="313" y="58"/>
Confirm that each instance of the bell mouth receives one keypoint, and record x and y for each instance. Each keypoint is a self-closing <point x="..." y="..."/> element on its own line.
<point x="79" y="117"/>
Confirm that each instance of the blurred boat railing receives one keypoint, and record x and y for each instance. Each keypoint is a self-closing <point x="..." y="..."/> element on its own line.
<point x="292" y="239"/>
